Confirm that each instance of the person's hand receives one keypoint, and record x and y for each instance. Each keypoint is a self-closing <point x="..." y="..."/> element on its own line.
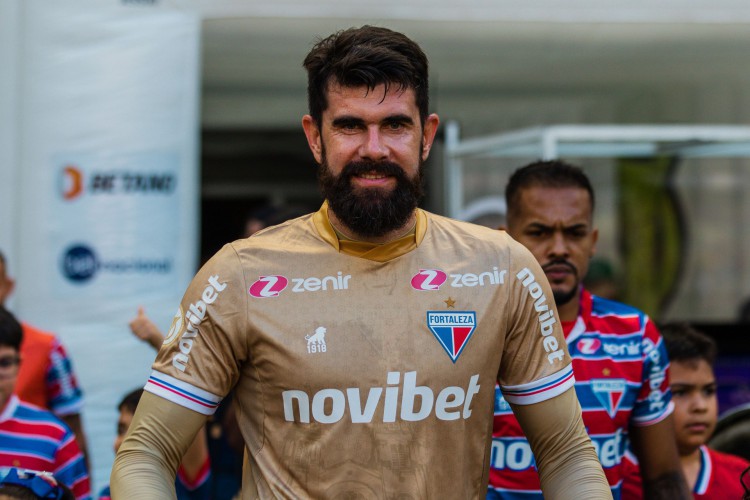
<point x="145" y="329"/>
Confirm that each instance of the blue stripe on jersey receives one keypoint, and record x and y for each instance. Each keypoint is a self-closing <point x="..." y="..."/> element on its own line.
<point x="542" y="389"/>
<point x="606" y="307"/>
<point x="704" y="474"/>
<point x="182" y="393"/>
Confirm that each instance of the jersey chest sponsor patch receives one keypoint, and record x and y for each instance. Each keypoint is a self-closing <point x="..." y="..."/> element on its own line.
<point x="452" y="329"/>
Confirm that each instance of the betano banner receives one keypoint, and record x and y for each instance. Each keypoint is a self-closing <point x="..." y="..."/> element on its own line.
<point x="108" y="187"/>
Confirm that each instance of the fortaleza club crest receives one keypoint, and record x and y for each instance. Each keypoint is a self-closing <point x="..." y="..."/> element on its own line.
<point x="609" y="392"/>
<point x="452" y="329"/>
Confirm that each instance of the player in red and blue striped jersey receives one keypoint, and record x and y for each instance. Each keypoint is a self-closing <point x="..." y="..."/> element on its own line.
<point x="619" y="360"/>
<point x="30" y="437"/>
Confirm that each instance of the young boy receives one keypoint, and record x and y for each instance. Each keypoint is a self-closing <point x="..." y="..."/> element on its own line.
<point x="193" y="477"/>
<point x="710" y="474"/>
<point x="30" y="437"/>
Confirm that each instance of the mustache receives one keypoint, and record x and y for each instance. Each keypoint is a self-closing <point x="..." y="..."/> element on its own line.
<point x="560" y="262"/>
<point x="356" y="168"/>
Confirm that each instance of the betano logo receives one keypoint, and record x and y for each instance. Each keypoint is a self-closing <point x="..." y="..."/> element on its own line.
<point x="73" y="183"/>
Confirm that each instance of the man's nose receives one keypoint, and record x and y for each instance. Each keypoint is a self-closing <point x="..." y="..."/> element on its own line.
<point x="373" y="146"/>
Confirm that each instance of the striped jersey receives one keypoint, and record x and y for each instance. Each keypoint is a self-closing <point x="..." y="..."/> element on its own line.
<point x="718" y="477"/>
<point x="46" y="378"/>
<point x="620" y="366"/>
<point x="33" y="438"/>
<point x="365" y="378"/>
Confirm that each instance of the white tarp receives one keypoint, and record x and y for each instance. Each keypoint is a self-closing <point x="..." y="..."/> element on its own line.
<point x="107" y="186"/>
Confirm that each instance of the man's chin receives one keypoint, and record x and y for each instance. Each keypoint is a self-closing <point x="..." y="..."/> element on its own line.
<point x="564" y="296"/>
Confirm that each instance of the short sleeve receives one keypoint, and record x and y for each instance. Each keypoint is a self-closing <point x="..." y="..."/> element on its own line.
<point x="64" y="396"/>
<point x="535" y="364"/>
<point x="206" y="345"/>
<point x="654" y="401"/>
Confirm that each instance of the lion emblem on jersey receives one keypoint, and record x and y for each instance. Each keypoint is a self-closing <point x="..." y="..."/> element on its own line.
<point x="317" y="341"/>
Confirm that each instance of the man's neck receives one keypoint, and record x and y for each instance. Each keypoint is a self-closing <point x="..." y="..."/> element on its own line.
<point x="389" y="236"/>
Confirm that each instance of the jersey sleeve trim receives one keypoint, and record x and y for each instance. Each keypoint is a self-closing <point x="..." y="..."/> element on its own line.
<point x="540" y="390"/>
<point x="652" y="419"/>
<point x="182" y="393"/>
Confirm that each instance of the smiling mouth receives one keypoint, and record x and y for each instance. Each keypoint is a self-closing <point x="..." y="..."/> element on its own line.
<point x="372" y="176"/>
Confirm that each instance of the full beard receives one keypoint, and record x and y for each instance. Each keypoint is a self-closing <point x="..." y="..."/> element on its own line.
<point x="371" y="212"/>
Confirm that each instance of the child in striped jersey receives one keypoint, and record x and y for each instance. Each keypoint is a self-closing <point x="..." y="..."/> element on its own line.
<point x="710" y="474"/>
<point x="30" y="437"/>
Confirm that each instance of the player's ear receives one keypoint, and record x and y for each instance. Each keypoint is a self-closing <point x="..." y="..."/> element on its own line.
<point x="594" y="239"/>
<point x="312" y="132"/>
<point x="428" y="134"/>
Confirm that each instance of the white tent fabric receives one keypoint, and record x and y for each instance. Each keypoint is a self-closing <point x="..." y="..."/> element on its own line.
<point x="105" y="186"/>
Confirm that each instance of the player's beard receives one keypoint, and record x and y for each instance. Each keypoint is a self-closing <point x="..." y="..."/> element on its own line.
<point x="562" y="297"/>
<point x="371" y="212"/>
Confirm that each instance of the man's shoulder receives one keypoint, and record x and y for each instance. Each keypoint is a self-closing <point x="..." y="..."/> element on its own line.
<point x="616" y="314"/>
<point x="36" y="413"/>
<point x="37" y="336"/>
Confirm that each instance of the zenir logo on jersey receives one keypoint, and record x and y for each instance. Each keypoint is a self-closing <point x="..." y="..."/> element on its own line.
<point x="452" y="329"/>
<point x="609" y="392"/>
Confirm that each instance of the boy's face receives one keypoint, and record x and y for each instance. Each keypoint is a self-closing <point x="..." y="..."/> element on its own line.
<point x="695" y="408"/>
<point x="9" y="362"/>
<point x="123" y="424"/>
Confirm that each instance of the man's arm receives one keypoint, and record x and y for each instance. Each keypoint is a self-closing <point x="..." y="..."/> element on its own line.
<point x="566" y="459"/>
<point x="659" y="461"/>
<point x="160" y="434"/>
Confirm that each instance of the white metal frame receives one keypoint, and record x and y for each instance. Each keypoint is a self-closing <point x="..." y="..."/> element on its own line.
<point x="588" y="141"/>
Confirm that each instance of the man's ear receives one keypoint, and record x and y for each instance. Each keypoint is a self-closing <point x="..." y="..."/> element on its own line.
<point x="312" y="132"/>
<point x="428" y="134"/>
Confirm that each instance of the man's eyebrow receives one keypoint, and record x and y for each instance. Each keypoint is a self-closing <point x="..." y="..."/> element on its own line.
<point x="398" y="118"/>
<point x="347" y="121"/>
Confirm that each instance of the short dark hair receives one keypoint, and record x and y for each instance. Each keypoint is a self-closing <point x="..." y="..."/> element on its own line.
<point x="684" y="343"/>
<point x="368" y="56"/>
<point x="11" y="332"/>
<point x="548" y="173"/>
<point x="130" y="402"/>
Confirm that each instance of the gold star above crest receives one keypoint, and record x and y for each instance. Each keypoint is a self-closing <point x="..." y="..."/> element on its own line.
<point x="450" y="303"/>
<point x="606" y="372"/>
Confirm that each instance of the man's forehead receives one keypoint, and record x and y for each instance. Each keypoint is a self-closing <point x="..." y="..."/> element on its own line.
<point x="380" y="94"/>
<point x="563" y="204"/>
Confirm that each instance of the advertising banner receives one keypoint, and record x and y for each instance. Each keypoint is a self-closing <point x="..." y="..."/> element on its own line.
<point x="108" y="187"/>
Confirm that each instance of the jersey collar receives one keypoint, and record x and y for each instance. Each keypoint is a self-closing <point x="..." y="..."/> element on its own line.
<point x="371" y="251"/>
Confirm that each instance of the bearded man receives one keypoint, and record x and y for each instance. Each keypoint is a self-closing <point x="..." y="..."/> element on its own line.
<point x="363" y="342"/>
